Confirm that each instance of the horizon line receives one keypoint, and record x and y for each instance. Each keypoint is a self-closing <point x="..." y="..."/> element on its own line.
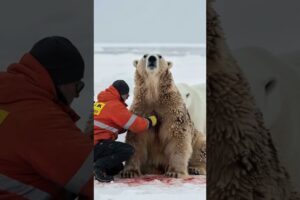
<point x="148" y="44"/>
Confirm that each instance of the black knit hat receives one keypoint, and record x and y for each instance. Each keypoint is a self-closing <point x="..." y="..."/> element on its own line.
<point x="60" y="58"/>
<point x="121" y="86"/>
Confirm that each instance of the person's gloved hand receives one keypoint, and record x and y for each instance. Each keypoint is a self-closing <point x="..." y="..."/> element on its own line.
<point x="152" y="120"/>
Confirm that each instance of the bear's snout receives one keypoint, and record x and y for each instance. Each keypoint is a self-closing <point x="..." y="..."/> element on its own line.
<point x="152" y="59"/>
<point x="152" y="62"/>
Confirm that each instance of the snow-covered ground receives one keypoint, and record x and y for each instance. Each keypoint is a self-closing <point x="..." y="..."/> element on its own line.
<point x="153" y="188"/>
<point x="115" y="61"/>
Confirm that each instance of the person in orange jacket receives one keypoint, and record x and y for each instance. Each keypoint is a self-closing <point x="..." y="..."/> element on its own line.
<point x="43" y="155"/>
<point x="111" y="117"/>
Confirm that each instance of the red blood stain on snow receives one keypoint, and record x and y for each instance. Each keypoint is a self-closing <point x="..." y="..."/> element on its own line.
<point x="154" y="179"/>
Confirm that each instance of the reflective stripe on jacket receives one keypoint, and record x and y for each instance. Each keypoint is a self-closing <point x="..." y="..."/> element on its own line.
<point x="19" y="189"/>
<point x="111" y="116"/>
<point x="42" y="152"/>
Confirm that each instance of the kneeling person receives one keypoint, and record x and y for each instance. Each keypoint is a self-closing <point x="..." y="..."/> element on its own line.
<point x="111" y="117"/>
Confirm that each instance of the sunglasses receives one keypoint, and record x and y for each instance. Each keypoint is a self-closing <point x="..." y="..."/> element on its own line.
<point x="79" y="86"/>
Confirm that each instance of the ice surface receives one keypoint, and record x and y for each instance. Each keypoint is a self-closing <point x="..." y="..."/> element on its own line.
<point x="154" y="189"/>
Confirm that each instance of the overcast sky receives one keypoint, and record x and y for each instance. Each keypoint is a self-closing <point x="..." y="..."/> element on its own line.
<point x="156" y="21"/>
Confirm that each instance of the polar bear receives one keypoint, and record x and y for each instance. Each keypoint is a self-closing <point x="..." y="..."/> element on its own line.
<point x="174" y="147"/>
<point x="275" y="85"/>
<point x="194" y="97"/>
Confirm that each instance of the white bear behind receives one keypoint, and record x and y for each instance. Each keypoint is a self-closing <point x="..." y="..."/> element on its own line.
<point x="275" y="85"/>
<point x="194" y="96"/>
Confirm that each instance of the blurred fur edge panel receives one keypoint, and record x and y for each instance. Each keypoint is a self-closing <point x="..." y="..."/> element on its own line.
<point x="89" y="127"/>
<point x="242" y="161"/>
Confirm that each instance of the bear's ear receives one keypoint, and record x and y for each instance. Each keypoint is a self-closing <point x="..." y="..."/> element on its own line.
<point x="135" y="62"/>
<point x="170" y="64"/>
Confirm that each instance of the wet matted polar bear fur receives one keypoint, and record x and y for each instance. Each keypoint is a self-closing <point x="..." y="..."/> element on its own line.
<point x="174" y="147"/>
<point x="242" y="160"/>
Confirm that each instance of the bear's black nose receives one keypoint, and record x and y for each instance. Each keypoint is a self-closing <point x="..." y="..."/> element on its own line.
<point x="152" y="59"/>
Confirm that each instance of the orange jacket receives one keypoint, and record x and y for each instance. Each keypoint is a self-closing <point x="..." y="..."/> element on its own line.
<point x="42" y="152"/>
<point x="111" y="117"/>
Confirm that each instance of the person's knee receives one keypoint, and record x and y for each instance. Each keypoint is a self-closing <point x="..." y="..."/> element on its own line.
<point x="129" y="151"/>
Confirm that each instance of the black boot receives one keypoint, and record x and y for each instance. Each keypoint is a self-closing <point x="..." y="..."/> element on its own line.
<point x="103" y="177"/>
<point x="115" y="170"/>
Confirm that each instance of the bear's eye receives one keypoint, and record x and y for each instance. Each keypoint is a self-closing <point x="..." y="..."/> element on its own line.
<point x="159" y="56"/>
<point x="187" y="95"/>
<point x="145" y="56"/>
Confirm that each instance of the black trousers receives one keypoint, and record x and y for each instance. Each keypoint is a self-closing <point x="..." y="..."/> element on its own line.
<point x="109" y="155"/>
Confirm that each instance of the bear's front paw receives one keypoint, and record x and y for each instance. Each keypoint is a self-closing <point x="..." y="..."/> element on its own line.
<point x="197" y="171"/>
<point x="130" y="173"/>
<point x="174" y="174"/>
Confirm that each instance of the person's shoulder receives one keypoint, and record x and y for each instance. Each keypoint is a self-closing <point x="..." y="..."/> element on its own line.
<point x="115" y="103"/>
<point x="39" y="118"/>
<point x="48" y="111"/>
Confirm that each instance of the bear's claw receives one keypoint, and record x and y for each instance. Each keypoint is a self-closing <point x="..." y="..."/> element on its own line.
<point x="129" y="173"/>
<point x="197" y="171"/>
<point x="173" y="174"/>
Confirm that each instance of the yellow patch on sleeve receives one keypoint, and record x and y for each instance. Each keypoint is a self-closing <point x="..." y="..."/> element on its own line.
<point x="3" y="115"/>
<point x="98" y="106"/>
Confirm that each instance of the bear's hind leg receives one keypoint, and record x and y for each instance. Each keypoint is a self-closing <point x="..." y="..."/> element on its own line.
<point x="197" y="163"/>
